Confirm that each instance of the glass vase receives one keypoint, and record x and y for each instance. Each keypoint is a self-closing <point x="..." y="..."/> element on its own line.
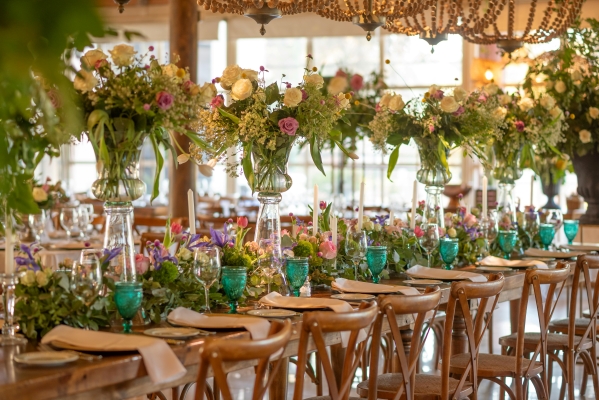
<point x="434" y="176"/>
<point x="9" y="336"/>
<point x="507" y="163"/>
<point x="506" y="209"/>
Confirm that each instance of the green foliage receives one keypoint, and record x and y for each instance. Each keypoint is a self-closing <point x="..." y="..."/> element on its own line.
<point x="236" y="257"/>
<point x="303" y="249"/>
<point x="166" y="274"/>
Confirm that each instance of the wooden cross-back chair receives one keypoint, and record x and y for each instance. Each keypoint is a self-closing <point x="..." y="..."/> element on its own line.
<point x="579" y="330"/>
<point x="496" y="367"/>
<point x="315" y="325"/>
<point x="404" y="382"/>
<point x="215" y="352"/>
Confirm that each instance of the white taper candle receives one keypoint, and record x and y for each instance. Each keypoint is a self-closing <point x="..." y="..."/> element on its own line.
<point x="484" y="196"/>
<point x="9" y="262"/>
<point x="391" y="218"/>
<point x="315" y="209"/>
<point x="361" y="207"/>
<point x="191" y="211"/>
<point x="414" y="205"/>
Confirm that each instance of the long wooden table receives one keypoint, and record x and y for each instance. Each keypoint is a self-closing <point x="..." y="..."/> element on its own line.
<point x="124" y="375"/>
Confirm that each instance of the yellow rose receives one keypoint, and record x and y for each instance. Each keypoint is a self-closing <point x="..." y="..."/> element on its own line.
<point x="122" y="55"/>
<point x="500" y="113"/>
<point x="293" y="96"/>
<point x="433" y="90"/>
<point x="249" y="74"/>
<point x="560" y="87"/>
<point x="526" y="104"/>
<point x="505" y="99"/>
<point x="337" y="84"/>
<point x="41" y="278"/>
<point x="170" y="70"/>
<point x="449" y="105"/>
<point x="491" y="89"/>
<point x="28" y="278"/>
<point x="231" y="74"/>
<point x="207" y="92"/>
<point x="91" y="57"/>
<point x="585" y="136"/>
<point x="460" y="93"/>
<point x="548" y="102"/>
<point x="242" y="89"/>
<point x="396" y="103"/>
<point x="314" y="79"/>
<point x="593" y="112"/>
<point x="555" y="112"/>
<point x="385" y="100"/>
<point x="85" y="81"/>
<point x="39" y="195"/>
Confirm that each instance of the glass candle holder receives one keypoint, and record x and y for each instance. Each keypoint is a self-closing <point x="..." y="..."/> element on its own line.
<point x="376" y="258"/>
<point x="570" y="229"/>
<point x="546" y="233"/>
<point x="127" y="297"/>
<point x="9" y="329"/>
<point x="448" y="249"/>
<point x="233" y="280"/>
<point x="297" y="272"/>
<point x="507" y="241"/>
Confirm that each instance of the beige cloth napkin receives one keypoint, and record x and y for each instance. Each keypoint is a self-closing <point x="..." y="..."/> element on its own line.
<point x="161" y="363"/>
<point x="349" y="286"/>
<point x="502" y="262"/>
<point x="531" y="252"/>
<point x="435" y="273"/>
<point x="274" y="299"/>
<point x="257" y="327"/>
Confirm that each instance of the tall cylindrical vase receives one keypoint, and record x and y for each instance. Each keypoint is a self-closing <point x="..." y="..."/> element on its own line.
<point x="435" y="176"/>
<point x="506" y="170"/>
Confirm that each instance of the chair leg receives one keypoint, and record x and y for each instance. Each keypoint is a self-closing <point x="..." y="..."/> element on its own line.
<point x="318" y="373"/>
<point x="501" y="390"/>
<point x="570" y="367"/>
<point x="490" y="332"/>
<point x="589" y="367"/>
<point x="540" y="388"/>
<point x="549" y="376"/>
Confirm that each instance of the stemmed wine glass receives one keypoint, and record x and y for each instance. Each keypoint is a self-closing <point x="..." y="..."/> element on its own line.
<point x="84" y="221"/>
<point x="488" y="227"/>
<point x="531" y="223"/>
<point x="429" y="240"/>
<point x="554" y="217"/>
<point x="356" y="244"/>
<point x="37" y="224"/>
<point x="206" y="269"/>
<point x="69" y="219"/>
<point x="86" y="276"/>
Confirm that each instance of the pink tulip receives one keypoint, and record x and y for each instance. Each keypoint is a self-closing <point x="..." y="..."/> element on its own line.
<point x="418" y="232"/>
<point x="242" y="222"/>
<point x="176" y="228"/>
<point x="469" y="220"/>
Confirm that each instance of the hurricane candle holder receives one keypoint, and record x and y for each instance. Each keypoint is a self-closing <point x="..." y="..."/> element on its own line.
<point x="9" y="329"/>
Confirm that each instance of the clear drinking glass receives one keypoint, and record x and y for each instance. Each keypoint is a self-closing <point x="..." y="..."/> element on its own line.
<point x="488" y="227"/>
<point x="429" y="240"/>
<point x="570" y="229"/>
<point x="37" y="224"/>
<point x="69" y="219"/>
<point x="84" y="220"/>
<point x="86" y="277"/>
<point x="206" y="269"/>
<point x="531" y="224"/>
<point x="356" y="244"/>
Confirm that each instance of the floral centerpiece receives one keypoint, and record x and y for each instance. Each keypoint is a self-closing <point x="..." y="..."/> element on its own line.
<point x="437" y="123"/>
<point x="47" y="194"/>
<point x="128" y="98"/>
<point x="464" y="226"/>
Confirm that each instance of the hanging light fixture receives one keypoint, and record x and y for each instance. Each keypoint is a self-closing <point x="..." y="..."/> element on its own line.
<point x="481" y="25"/>
<point x="121" y="4"/>
<point x="259" y="10"/>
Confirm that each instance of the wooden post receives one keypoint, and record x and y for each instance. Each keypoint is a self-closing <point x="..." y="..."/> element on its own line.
<point x="184" y="44"/>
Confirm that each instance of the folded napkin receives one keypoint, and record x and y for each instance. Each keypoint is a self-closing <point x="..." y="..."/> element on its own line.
<point x="502" y="262"/>
<point x="435" y="273"/>
<point x="585" y="248"/>
<point x="348" y="286"/>
<point x="257" y="327"/>
<point x="274" y="299"/>
<point x="531" y="252"/>
<point x="161" y="363"/>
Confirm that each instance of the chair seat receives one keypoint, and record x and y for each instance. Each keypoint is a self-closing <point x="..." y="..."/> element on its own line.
<point x="561" y="325"/>
<point x="427" y="387"/>
<point x="555" y="341"/>
<point x="493" y="365"/>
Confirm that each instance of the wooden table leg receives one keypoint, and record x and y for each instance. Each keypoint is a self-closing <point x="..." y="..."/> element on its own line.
<point x="459" y="338"/>
<point x="278" y="389"/>
<point x="337" y="360"/>
<point x="514" y="310"/>
<point x="406" y="338"/>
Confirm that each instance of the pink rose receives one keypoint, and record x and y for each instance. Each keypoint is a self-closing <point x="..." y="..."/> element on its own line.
<point x="142" y="263"/>
<point x="164" y="100"/>
<point x="328" y="250"/>
<point x="242" y="222"/>
<point x="176" y="228"/>
<point x="459" y="111"/>
<point x="391" y="229"/>
<point x="520" y="126"/>
<point x="288" y="125"/>
<point x="418" y="232"/>
<point x="217" y="101"/>
<point x="284" y="232"/>
<point x="438" y="95"/>
<point x="341" y="73"/>
<point x="356" y="82"/>
<point x="469" y="220"/>
<point x="45" y="187"/>
<point x="187" y="86"/>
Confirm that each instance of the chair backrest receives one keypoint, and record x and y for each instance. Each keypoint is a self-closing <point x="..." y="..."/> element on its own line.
<point x="316" y="324"/>
<point x="217" y="351"/>
<point x="584" y="264"/>
<point x="460" y="295"/>
<point x="534" y="279"/>
<point x="392" y="306"/>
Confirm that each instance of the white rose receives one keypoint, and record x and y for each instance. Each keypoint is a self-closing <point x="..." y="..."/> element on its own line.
<point x="385" y="100"/>
<point x="91" y="57"/>
<point x="500" y="113"/>
<point x="433" y="89"/>
<point x="460" y="93"/>
<point x="170" y="70"/>
<point x="560" y="87"/>
<point x="39" y="195"/>
<point x="41" y="278"/>
<point x="505" y="99"/>
<point x="231" y="74"/>
<point x="293" y="96"/>
<point x="585" y="136"/>
<point x="207" y="93"/>
<point x="449" y="105"/>
<point x="185" y="254"/>
<point x="396" y="103"/>
<point x="314" y="79"/>
<point x="377" y="227"/>
<point x="85" y="81"/>
<point x="242" y="89"/>
<point x="526" y="104"/>
<point x="249" y="74"/>
<point x="594" y="112"/>
<point x="122" y="54"/>
<point x="555" y="112"/>
<point x="28" y="278"/>
<point x="369" y="225"/>
<point x="576" y="75"/>
<point x="491" y="89"/>
<point x="548" y="102"/>
<point x="337" y="84"/>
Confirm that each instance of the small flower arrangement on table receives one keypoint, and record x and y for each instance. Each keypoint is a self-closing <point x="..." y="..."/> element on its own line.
<point x="46" y="194"/>
<point x="464" y="226"/>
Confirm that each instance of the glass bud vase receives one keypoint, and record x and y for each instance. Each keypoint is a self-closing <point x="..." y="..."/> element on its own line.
<point x="506" y="170"/>
<point x="435" y="176"/>
<point x="506" y="209"/>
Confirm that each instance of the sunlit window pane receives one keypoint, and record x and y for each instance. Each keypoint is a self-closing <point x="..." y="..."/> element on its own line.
<point x="332" y="53"/>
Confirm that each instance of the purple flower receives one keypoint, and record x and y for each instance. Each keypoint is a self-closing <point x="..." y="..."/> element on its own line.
<point x="109" y="255"/>
<point x="322" y="102"/>
<point x="219" y="238"/>
<point x="262" y="68"/>
<point x="288" y="125"/>
<point x="459" y="111"/>
<point x="28" y="261"/>
<point x="520" y="126"/>
<point x="164" y="100"/>
<point x="288" y="85"/>
<point x="147" y="107"/>
<point x="151" y="48"/>
<point x="380" y="219"/>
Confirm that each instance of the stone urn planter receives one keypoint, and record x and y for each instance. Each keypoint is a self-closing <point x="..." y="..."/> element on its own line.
<point x="587" y="171"/>
<point x="551" y="189"/>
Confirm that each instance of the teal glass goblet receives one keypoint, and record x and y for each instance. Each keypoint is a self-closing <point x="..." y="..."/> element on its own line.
<point x="376" y="258"/>
<point x="127" y="297"/>
<point x="297" y="272"/>
<point x="547" y="233"/>
<point x="448" y="248"/>
<point x="570" y="229"/>
<point x="507" y="241"/>
<point x="233" y="280"/>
